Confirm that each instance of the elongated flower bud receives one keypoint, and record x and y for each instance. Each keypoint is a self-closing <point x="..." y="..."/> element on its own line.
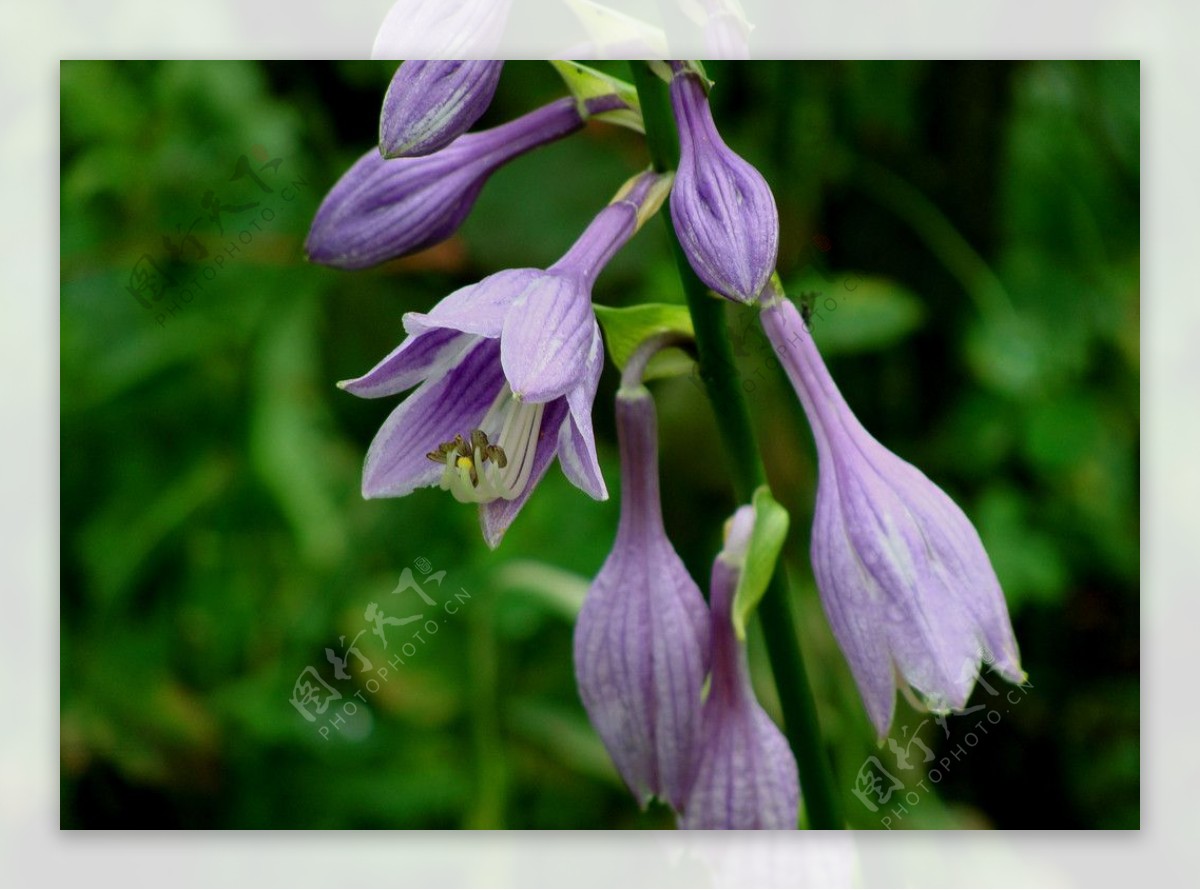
<point x="746" y="776"/>
<point x="385" y="208"/>
<point x="430" y="104"/>
<point x="642" y="637"/>
<point x="909" y="591"/>
<point x="723" y="209"/>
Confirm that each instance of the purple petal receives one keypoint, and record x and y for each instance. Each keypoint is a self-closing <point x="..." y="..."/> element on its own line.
<point x="384" y="208"/>
<point x="437" y="411"/>
<point x="496" y="517"/>
<point x="418" y="358"/>
<point x="722" y="208"/>
<point x="547" y="338"/>
<point x="577" y="443"/>
<point x="908" y="588"/>
<point x="478" y="308"/>
<point x="642" y="637"/>
<point x="429" y="104"/>
<point x="640" y="661"/>
<point x="746" y="776"/>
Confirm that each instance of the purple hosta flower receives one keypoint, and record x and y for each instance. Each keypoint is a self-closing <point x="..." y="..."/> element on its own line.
<point x="909" y="591"/>
<point x="430" y="104"/>
<point x="384" y="208"/>
<point x="506" y="371"/>
<point x="723" y="209"/>
<point x="641" y="640"/>
<point x="746" y="776"/>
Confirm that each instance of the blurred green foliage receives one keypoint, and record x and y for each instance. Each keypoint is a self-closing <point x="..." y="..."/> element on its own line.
<point x="968" y="236"/>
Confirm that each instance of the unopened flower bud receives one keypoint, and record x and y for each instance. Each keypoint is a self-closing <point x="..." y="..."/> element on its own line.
<point x="385" y="208"/>
<point x="642" y="637"/>
<point x="430" y="104"/>
<point x="723" y="209"/>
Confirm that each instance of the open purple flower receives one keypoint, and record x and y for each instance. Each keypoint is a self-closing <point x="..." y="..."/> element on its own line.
<point x="723" y="209"/>
<point x="641" y="639"/>
<point x="383" y="208"/>
<point x="746" y="776"/>
<point x="506" y="372"/>
<point x="910" y="593"/>
<point x="430" y="104"/>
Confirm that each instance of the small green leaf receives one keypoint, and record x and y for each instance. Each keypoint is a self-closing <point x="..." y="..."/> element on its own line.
<point x="588" y="83"/>
<point x="770" y="530"/>
<point x="626" y="328"/>
<point x="856" y="313"/>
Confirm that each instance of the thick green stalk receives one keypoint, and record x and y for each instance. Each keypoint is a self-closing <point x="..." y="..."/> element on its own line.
<point x="723" y="386"/>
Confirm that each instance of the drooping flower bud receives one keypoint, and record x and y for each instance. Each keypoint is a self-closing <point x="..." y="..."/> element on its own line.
<point x="746" y="776"/>
<point x="383" y="208"/>
<point x="430" y="104"/>
<point x="642" y="637"/>
<point x="910" y="593"/>
<point x="723" y="209"/>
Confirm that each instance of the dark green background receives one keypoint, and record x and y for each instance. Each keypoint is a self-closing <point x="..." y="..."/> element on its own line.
<point x="972" y="230"/>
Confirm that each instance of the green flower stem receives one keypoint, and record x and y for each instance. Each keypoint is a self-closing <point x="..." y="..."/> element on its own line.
<point x="723" y="385"/>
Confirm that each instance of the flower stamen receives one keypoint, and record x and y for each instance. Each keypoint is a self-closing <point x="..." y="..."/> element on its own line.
<point x="480" y="471"/>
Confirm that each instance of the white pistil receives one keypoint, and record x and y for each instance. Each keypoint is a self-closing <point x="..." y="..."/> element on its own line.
<point x="511" y="427"/>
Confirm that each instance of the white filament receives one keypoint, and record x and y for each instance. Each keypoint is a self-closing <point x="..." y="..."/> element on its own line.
<point x="514" y="426"/>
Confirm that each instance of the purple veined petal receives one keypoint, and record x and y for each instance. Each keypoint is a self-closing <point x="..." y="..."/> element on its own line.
<point x="547" y="337"/>
<point x="932" y="639"/>
<point x="958" y="553"/>
<point x="577" y="442"/>
<point x="385" y="208"/>
<point x="723" y="210"/>
<point x="418" y="358"/>
<point x="478" y="308"/>
<point x="436" y="412"/>
<point x="746" y="776"/>
<point x="852" y="611"/>
<point x="909" y="590"/>
<point x="429" y="104"/>
<point x="642" y="636"/>
<point x="496" y="517"/>
<point x="640" y="655"/>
